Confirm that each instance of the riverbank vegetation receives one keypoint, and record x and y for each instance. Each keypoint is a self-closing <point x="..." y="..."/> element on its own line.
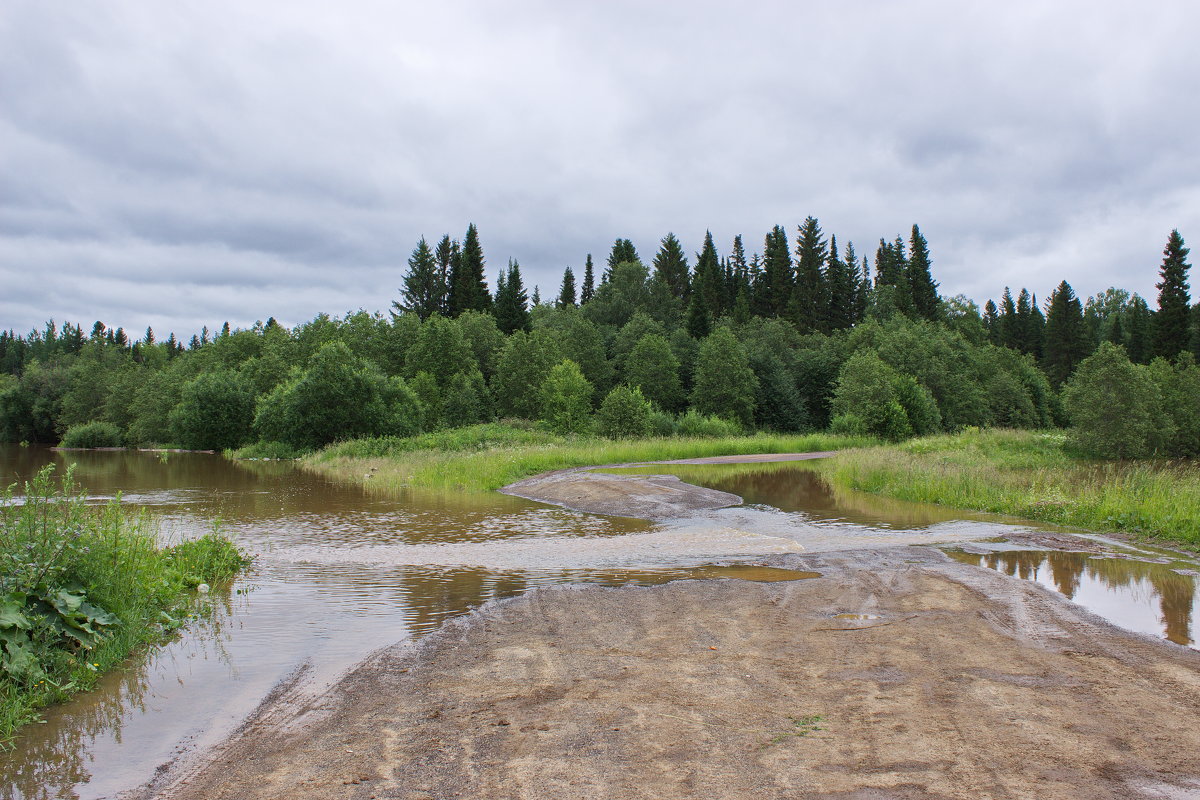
<point x="82" y="586"/>
<point x="485" y="457"/>
<point x="803" y="337"/>
<point x="1033" y="475"/>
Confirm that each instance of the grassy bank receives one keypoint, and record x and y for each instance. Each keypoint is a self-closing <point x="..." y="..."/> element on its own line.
<point x="83" y="586"/>
<point x="485" y="457"/>
<point x="1031" y="475"/>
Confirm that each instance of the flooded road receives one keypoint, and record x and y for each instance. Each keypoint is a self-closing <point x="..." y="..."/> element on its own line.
<point x="340" y="573"/>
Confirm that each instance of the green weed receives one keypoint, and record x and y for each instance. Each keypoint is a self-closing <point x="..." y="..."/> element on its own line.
<point x="81" y="587"/>
<point x="1034" y="475"/>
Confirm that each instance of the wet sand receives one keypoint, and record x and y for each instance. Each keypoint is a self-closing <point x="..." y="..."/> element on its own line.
<point x="947" y="681"/>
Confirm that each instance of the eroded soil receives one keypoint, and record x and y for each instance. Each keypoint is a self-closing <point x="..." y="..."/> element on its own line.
<point x="945" y="681"/>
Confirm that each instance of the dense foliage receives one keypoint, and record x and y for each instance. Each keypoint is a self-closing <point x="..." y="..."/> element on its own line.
<point x="80" y="586"/>
<point x="804" y="335"/>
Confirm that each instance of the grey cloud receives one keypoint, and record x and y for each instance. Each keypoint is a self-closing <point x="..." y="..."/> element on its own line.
<point x="282" y="159"/>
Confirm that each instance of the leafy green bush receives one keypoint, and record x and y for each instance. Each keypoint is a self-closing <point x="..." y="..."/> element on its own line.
<point x="1114" y="406"/>
<point x="624" y="414"/>
<point x="92" y="434"/>
<point x="725" y="386"/>
<point x="81" y="586"/>
<point x="696" y="424"/>
<point x="214" y="412"/>
<point x="567" y="399"/>
<point x="273" y="450"/>
<point x="337" y="397"/>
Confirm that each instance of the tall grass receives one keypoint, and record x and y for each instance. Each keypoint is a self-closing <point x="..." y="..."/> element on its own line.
<point x="485" y="457"/>
<point x="81" y="587"/>
<point x="1031" y="475"/>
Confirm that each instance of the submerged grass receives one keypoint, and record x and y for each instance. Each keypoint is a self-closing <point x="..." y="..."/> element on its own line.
<point x="486" y="457"/>
<point x="1033" y="475"/>
<point x="83" y="586"/>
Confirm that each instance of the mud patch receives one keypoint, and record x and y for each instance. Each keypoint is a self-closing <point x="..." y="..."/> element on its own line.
<point x="654" y="497"/>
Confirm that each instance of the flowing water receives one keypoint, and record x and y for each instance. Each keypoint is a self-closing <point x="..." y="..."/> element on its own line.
<point x="340" y="573"/>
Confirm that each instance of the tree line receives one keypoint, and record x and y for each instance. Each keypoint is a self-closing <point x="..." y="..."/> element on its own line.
<point x="801" y="335"/>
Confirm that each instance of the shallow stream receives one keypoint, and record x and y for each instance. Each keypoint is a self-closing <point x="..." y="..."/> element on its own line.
<point x="340" y="573"/>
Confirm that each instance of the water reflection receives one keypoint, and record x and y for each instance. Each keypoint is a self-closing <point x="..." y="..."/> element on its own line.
<point x="1139" y="595"/>
<point x="797" y="486"/>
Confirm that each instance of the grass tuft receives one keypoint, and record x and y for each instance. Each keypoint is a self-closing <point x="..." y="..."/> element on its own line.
<point x="1034" y="475"/>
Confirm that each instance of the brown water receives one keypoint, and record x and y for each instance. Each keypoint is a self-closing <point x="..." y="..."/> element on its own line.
<point x="1140" y="595"/>
<point x="340" y="573"/>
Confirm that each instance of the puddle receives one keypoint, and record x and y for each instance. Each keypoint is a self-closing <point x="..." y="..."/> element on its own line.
<point x="1155" y="597"/>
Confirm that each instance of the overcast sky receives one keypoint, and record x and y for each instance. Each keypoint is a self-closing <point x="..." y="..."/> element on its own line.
<point x="186" y="163"/>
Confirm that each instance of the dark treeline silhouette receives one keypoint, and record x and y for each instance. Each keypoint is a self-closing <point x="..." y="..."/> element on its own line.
<point x="803" y="334"/>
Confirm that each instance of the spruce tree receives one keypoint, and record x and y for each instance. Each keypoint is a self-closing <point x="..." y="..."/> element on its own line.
<point x="991" y="321"/>
<point x="469" y="289"/>
<point x="699" y="318"/>
<point x="1028" y="325"/>
<point x="1138" y="322"/>
<point x="862" y="295"/>
<point x="1007" y="335"/>
<point x="842" y="279"/>
<point x="589" y="282"/>
<point x="922" y="288"/>
<point x="1171" y="323"/>
<point x="566" y="294"/>
<point x="512" y="303"/>
<point x="671" y="267"/>
<point x="808" y="307"/>
<point x="622" y="252"/>
<point x="1066" y="337"/>
<point x="708" y="280"/>
<point x="448" y="255"/>
<point x="776" y="289"/>
<point x="422" y="291"/>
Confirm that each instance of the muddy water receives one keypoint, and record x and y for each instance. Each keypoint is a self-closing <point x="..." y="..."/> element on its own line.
<point x="1157" y="597"/>
<point x="340" y="573"/>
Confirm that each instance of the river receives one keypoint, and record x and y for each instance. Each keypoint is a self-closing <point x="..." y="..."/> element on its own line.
<point x="340" y="572"/>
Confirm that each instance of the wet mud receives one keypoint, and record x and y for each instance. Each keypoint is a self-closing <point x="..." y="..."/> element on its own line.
<point x="898" y="673"/>
<point x="653" y="497"/>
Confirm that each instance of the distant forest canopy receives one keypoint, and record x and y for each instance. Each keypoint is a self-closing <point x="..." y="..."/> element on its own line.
<point x="804" y="335"/>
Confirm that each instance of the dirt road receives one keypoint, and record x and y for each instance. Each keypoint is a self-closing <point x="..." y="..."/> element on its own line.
<point x="948" y="681"/>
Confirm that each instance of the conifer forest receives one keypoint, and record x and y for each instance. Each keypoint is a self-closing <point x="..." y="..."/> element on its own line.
<point x="800" y="333"/>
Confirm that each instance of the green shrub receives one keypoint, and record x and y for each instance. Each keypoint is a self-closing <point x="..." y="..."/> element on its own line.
<point x="567" y="399"/>
<point x="272" y="450"/>
<point x="877" y="395"/>
<point x="337" y="397"/>
<point x="662" y="424"/>
<point x="1114" y="407"/>
<point x="81" y="586"/>
<point x="724" y="385"/>
<point x="706" y="426"/>
<point x="214" y="412"/>
<point x="92" y="434"/>
<point x="624" y="414"/>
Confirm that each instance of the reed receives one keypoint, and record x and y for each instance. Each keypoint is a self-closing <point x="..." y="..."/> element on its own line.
<point x="1032" y="475"/>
